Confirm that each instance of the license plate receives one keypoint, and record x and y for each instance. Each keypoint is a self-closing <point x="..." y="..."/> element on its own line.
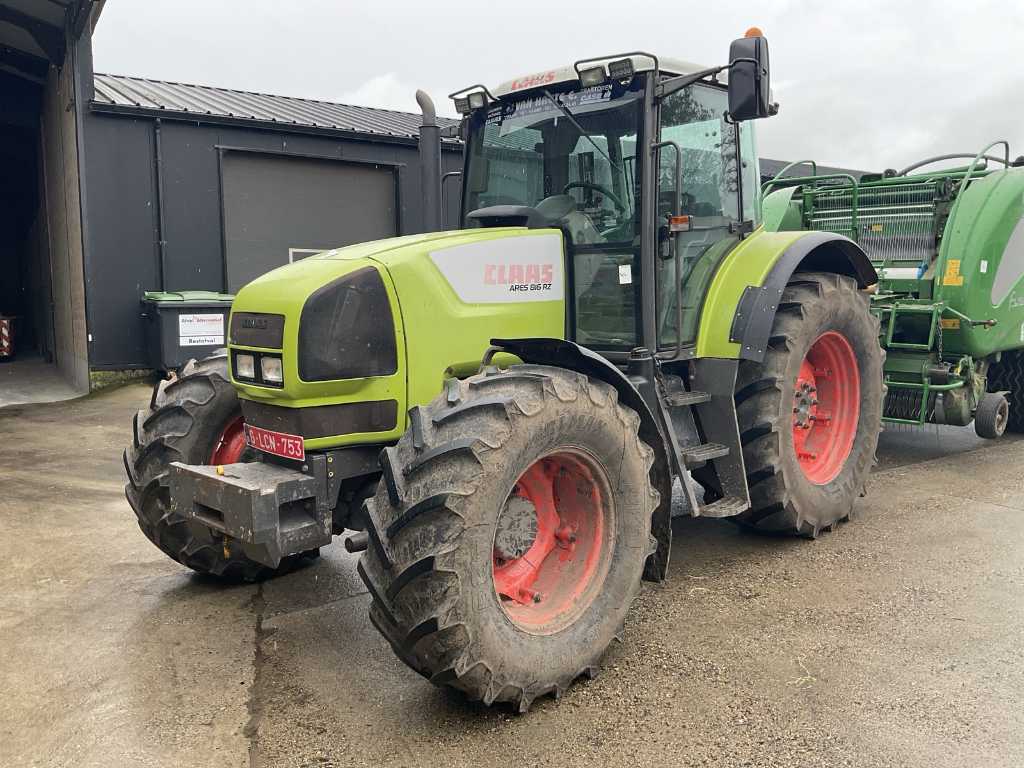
<point x="277" y="443"/>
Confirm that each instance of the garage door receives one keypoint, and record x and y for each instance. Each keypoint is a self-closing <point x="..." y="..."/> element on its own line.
<point x="279" y="209"/>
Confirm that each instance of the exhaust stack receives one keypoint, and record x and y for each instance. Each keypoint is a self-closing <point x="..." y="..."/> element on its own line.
<point x="430" y="164"/>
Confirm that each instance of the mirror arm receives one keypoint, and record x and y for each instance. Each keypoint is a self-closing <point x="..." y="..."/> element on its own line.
<point x="669" y="87"/>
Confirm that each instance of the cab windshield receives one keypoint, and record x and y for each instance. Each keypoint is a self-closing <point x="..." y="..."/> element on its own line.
<point x="569" y="154"/>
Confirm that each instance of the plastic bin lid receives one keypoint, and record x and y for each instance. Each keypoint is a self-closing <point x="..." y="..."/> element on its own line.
<point x="204" y="297"/>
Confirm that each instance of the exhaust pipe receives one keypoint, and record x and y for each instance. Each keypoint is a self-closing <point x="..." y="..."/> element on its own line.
<point x="430" y="164"/>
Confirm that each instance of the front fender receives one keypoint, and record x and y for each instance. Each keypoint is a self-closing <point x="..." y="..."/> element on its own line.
<point x="566" y="354"/>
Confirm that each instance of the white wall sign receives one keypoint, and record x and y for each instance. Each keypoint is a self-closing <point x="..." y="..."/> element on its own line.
<point x="200" y="330"/>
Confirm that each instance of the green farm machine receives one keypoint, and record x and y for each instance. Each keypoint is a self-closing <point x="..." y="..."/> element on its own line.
<point x="948" y="246"/>
<point x="498" y="415"/>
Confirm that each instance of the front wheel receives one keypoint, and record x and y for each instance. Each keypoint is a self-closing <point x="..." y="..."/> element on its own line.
<point x="195" y="419"/>
<point x="509" y="533"/>
<point x="810" y="413"/>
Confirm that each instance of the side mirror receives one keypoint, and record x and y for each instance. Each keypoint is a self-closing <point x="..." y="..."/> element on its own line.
<point x="749" y="81"/>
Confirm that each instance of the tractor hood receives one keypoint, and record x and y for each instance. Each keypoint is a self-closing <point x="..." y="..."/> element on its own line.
<point x="386" y="322"/>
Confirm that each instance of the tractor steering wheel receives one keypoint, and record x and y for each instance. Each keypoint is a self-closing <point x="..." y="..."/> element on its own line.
<point x="603" y="190"/>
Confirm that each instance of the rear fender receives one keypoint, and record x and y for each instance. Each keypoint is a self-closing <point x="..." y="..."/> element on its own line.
<point x="744" y="295"/>
<point x="566" y="354"/>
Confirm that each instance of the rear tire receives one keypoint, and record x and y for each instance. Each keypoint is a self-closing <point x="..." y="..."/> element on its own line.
<point x="795" y="486"/>
<point x="437" y="555"/>
<point x="192" y="419"/>
<point x="1008" y="376"/>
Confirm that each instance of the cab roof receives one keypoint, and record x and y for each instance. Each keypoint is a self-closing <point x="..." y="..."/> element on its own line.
<point x="567" y="73"/>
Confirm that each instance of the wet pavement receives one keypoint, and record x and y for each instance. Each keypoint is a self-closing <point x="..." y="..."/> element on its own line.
<point x="898" y="640"/>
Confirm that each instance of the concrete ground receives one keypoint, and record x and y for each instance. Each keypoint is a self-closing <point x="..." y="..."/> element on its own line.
<point x="32" y="380"/>
<point x="896" y="641"/>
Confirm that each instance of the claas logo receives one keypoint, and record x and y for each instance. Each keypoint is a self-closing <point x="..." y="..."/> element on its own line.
<point x="518" y="274"/>
<point x="532" y="81"/>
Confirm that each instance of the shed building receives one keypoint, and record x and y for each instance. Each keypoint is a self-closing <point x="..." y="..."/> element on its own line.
<point x="114" y="186"/>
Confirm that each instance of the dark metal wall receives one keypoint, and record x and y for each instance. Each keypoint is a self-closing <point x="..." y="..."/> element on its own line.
<point x="279" y="208"/>
<point x="126" y="195"/>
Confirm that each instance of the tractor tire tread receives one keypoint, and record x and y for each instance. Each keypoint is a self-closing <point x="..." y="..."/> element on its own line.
<point x="413" y="588"/>
<point x="775" y="507"/>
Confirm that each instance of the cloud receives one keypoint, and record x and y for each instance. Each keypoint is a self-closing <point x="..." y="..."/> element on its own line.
<point x="386" y="91"/>
<point x="869" y="85"/>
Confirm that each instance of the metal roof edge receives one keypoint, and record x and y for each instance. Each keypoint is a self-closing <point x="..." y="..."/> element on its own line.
<point x="184" y="116"/>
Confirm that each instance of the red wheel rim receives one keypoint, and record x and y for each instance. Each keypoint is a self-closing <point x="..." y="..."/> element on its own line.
<point x="826" y="407"/>
<point x="547" y="578"/>
<point x="230" y="444"/>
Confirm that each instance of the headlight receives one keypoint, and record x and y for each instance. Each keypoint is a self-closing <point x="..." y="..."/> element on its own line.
<point x="347" y="331"/>
<point x="272" y="370"/>
<point x="245" y="367"/>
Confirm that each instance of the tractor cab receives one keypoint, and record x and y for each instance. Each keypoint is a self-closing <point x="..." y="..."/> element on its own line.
<point x="565" y="149"/>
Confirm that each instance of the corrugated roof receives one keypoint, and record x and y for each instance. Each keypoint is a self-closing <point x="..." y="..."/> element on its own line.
<point x="203" y="100"/>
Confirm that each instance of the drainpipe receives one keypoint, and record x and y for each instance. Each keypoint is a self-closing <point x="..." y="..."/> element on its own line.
<point x="161" y="242"/>
<point x="430" y="164"/>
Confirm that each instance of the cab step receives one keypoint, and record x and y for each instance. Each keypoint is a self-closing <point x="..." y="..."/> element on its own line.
<point x="725" y="507"/>
<point x="699" y="454"/>
<point x="683" y="397"/>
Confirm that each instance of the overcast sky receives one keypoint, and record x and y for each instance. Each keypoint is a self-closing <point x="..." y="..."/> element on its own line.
<point x="864" y="84"/>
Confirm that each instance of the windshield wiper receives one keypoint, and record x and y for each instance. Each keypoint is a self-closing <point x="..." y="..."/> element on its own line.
<point x="565" y="111"/>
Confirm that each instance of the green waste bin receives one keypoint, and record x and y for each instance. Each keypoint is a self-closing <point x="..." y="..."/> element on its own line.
<point x="181" y="325"/>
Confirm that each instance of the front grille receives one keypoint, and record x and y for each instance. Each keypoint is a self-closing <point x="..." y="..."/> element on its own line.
<point x="257" y="329"/>
<point x="323" y="420"/>
<point x="346" y="330"/>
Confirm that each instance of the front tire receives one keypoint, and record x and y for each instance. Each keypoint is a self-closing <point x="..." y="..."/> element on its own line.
<point x="195" y="419"/>
<point x="509" y="533"/>
<point x="810" y="413"/>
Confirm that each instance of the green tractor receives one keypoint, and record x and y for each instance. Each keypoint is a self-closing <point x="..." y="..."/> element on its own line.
<point x="498" y="414"/>
<point x="948" y="246"/>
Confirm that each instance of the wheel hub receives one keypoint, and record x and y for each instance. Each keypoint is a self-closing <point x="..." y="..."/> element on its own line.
<point x="826" y="407"/>
<point x="549" y="541"/>
<point x="516" y="531"/>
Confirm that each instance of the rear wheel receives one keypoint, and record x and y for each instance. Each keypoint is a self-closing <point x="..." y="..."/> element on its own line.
<point x="810" y="413"/>
<point x="1008" y="376"/>
<point x="195" y="419"/>
<point x="509" y="533"/>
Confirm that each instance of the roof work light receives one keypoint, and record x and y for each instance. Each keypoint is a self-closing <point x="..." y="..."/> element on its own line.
<point x="466" y="102"/>
<point x="621" y="70"/>
<point x="592" y="76"/>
